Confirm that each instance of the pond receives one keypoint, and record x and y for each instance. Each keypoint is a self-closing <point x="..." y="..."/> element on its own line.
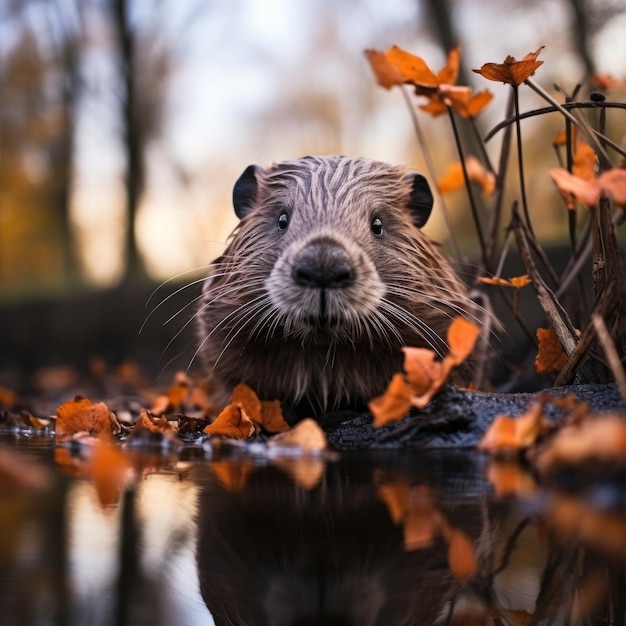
<point x="225" y="536"/>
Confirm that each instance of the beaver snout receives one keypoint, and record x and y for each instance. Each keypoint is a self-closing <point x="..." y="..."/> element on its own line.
<point x="322" y="264"/>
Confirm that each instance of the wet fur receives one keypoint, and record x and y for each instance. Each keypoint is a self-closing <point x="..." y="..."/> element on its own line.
<point x="259" y="327"/>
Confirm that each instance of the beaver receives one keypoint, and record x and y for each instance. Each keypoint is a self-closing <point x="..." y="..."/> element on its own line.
<point x="324" y="279"/>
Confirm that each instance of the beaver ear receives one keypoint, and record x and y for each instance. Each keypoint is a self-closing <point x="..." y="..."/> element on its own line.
<point x="420" y="199"/>
<point x="244" y="191"/>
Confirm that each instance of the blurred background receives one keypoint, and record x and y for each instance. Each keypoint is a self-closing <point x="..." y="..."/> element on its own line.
<point x="124" y="123"/>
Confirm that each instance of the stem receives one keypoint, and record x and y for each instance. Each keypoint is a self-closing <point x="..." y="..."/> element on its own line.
<point x="520" y="162"/>
<point x="430" y="166"/>
<point x="468" y="186"/>
<point x="569" y="156"/>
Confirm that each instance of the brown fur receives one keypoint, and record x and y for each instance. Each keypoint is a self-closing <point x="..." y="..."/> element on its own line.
<point x="321" y="349"/>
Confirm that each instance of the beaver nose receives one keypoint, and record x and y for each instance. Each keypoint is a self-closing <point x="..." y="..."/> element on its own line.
<point x="323" y="264"/>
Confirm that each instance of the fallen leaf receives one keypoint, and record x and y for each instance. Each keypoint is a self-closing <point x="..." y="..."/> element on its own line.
<point x="551" y="357"/>
<point x="8" y="398"/>
<point x="231" y="422"/>
<point x="596" y="439"/>
<point x="507" y="434"/>
<point x="387" y="75"/>
<point x="175" y="396"/>
<point x="82" y="416"/>
<point x="247" y="400"/>
<point x="272" y="417"/>
<point x="512" y="71"/>
<point x="306" y="435"/>
<point x="393" y="404"/>
<point x="461" y="338"/>
<point x="508" y="478"/>
<point x="422" y="368"/>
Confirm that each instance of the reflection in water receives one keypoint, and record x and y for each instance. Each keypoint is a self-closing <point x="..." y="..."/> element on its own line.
<point x="391" y="538"/>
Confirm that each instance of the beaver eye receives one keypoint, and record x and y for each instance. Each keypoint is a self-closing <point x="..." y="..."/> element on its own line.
<point x="377" y="226"/>
<point x="283" y="221"/>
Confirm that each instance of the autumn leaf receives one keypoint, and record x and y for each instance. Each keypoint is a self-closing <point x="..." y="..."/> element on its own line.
<point x="306" y="435"/>
<point x="597" y="439"/>
<point x="82" y="416"/>
<point x="461" y="555"/>
<point x="462" y="99"/>
<point x="387" y="75"/>
<point x="424" y="374"/>
<point x="512" y="71"/>
<point x="550" y="357"/>
<point x="509" y="478"/>
<point x="8" y="398"/>
<point x="584" y="162"/>
<point x="570" y="186"/>
<point x="508" y="434"/>
<point x="413" y="68"/>
<point x="517" y="282"/>
<point x="109" y="469"/>
<point x="272" y="418"/>
<point x="394" y="403"/>
<point x="174" y="397"/>
<point x="232" y="422"/>
<point x="613" y="181"/>
<point x="453" y="178"/>
<point x="605" y="82"/>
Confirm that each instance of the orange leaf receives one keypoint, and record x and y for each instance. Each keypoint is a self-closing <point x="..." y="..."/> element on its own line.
<point x="476" y="104"/>
<point x="174" y="397"/>
<point x="393" y="404"/>
<point x="461" y="556"/>
<point x="82" y="416"/>
<point x="550" y="356"/>
<point x="614" y="182"/>
<point x="511" y="71"/>
<point x="8" y="398"/>
<point x="585" y="159"/>
<point x="422" y="369"/>
<point x="508" y="433"/>
<point x="599" y="439"/>
<point x="453" y="178"/>
<point x="272" y="417"/>
<point x="413" y="68"/>
<point x="509" y="478"/>
<point x="435" y="106"/>
<point x="461" y="337"/>
<point x="606" y="82"/>
<point x="449" y="73"/>
<point x="248" y="401"/>
<point x="387" y="75"/>
<point x="231" y="422"/>
<point x="586" y="191"/>
<point x="516" y="282"/>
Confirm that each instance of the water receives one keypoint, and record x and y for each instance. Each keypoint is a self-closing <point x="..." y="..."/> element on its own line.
<point x="385" y="538"/>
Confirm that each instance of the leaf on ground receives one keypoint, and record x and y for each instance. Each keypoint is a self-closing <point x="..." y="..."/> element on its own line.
<point x="306" y="435"/>
<point x="596" y="439"/>
<point x="551" y="357"/>
<point x="517" y="282"/>
<point x="613" y="181"/>
<point x="8" y="398"/>
<point x="394" y="403"/>
<point x="272" y="418"/>
<point x="425" y="375"/>
<point x="507" y="434"/>
<point x="232" y="422"/>
<point x="80" y="415"/>
<point x="174" y="397"/>
<point x="585" y="160"/>
<point x="511" y="70"/>
<point x="150" y="431"/>
<point x="248" y="401"/>
<point x="386" y="73"/>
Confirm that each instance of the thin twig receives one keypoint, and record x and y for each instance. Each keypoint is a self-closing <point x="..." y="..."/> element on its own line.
<point x="430" y="166"/>
<point x="611" y="353"/>
<point x="520" y="163"/>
